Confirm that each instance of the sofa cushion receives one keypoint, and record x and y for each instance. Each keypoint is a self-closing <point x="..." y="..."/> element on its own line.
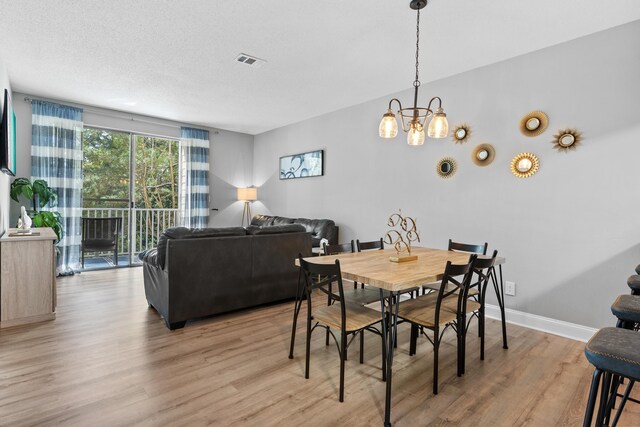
<point x="280" y="220"/>
<point x="192" y="233"/>
<point x="150" y="256"/>
<point x="261" y="220"/>
<point x="318" y="228"/>
<point x="275" y="229"/>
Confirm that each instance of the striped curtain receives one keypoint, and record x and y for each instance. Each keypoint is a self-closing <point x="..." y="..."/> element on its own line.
<point x="194" y="178"/>
<point x="56" y="156"/>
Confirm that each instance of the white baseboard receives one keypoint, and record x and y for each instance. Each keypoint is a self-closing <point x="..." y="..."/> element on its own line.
<point x="541" y="323"/>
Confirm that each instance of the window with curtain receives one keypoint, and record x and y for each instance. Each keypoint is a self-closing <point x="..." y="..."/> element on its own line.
<point x="194" y="170"/>
<point x="56" y="156"/>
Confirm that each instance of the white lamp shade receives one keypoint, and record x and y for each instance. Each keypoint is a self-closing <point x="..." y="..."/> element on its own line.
<point x="248" y="194"/>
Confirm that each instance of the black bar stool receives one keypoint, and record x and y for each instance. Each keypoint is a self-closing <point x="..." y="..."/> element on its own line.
<point x="614" y="352"/>
<point x="634" y="283"/>
<point x="627" y="309"/>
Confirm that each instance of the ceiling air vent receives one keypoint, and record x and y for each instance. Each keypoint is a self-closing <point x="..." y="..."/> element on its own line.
<point x="252" y="61"/>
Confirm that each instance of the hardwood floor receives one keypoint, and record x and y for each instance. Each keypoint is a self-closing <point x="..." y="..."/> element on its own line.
<point x="109" y="360"/>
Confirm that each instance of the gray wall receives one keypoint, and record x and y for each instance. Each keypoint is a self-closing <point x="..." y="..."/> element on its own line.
<point x="570" y="233"/>
<point x="230" y="156"/>
<point x="5" y="180"/>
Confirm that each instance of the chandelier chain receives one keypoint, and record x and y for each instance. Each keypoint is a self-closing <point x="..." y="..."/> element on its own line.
<point x="416" y="83"/>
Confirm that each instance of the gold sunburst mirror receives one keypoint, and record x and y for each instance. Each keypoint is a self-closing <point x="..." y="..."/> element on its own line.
<point x="446" y="167"/>
<point x="483" y="154"/>
<point x="461" y="133"/>
<point x="534" y="123"/>
<point x="566" y="139"/>
<point x="524" y="165"/>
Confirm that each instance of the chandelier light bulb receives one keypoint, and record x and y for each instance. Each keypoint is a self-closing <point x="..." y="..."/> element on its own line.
<point x="438" y="126"/>
<point x="388" y="125"/>
<point x="415" y="136"/>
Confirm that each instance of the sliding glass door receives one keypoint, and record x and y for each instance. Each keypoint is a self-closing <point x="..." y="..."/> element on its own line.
<point x="132" y="177"/>
<point x="154" y="189"/>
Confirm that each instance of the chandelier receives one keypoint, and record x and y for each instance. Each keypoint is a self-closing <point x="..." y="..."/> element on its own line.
<point x="414" y="118"/>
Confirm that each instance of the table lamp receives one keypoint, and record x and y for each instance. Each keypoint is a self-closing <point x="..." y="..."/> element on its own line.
<point x="247" y="195"/>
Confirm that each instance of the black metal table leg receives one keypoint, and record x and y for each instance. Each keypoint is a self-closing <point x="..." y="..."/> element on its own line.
<point x="504" y="321"/>
<point x="389" y="331"/>
<point x="499" y="289"/>
<point x="296" y="311"/>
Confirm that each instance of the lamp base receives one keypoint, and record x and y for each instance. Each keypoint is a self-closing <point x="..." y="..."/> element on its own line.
<point x="246" y="214"/>
<point x="403" y="258"/>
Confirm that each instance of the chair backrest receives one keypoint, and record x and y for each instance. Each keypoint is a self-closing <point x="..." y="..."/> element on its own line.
<point x="483" y="268"/>
<point x="339" y="248"/>
<point x="466" y="247"/>
<point x="322" y="277"/>
<point x="101" y="229"/>
<point x="368" y="246"/>
<point x="452" y="284"/>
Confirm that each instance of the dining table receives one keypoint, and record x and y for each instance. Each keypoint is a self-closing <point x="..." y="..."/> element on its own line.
<point x="375" y="268"/>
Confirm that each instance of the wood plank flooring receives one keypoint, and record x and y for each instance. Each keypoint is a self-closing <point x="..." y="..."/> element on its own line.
<point x="108" y="360"/>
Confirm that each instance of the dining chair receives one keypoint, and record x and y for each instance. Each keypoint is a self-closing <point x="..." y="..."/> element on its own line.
<point x="468" y="248"/>
<point x="359" y="294"/>
<point x="349" y="319"/>
<point x="439" y="310"/>
<point x="476" y="306"/>
<point x="369" y="246"/>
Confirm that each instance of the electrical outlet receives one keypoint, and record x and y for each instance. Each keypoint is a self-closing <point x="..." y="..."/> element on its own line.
<point x="510" y="288"/>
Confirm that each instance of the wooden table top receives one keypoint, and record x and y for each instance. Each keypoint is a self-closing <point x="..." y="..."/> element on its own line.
<point x="375" y="269"/>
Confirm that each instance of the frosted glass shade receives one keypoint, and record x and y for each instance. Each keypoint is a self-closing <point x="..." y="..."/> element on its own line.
<point x="415" y="136"/>
<point x="388" y="125"/>
<point x="248" y="194"/>
<point x="438" y="126"/>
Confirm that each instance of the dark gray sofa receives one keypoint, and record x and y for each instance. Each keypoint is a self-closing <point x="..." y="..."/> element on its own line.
<point x="319" y="228"/>
<point x="200" y="272"/>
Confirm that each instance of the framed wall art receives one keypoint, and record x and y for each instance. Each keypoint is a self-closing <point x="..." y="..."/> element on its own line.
<point x="8" y="137"/>
<point x="303" y="165"/>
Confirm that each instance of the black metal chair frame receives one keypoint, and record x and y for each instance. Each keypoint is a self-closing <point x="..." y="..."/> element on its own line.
<point x="321" y="277"/>
<point x="117" y="228"/>
<point x="498" y="285"/>
<point x="449" y="288"/>
<point x="482" y="268"/>
<point x="368" y="246"/>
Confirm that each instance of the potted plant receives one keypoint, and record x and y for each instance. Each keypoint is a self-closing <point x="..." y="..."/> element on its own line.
<point x="40" y="195"/>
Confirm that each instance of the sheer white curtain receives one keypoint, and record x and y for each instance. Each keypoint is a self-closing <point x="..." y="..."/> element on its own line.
<point x="56" y="157"/>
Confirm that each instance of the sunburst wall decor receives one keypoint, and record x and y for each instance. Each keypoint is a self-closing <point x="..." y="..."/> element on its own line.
<point x="534" y="123"/>
<point x="446" y="167"/>
<point x="524" y="165"/>
<point x="461" y="133"/>
<point x="566" y="139"/>
<point x="483" y="154"/>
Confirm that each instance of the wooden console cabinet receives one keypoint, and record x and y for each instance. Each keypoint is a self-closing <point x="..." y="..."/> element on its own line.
<point x="27" y="277"/>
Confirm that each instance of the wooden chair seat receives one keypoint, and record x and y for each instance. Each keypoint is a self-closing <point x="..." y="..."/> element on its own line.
<point x="422" y="310"/>
<point x="363" y="296"/>
<point x="357" y="316"/>
<point x="435" y="286"/>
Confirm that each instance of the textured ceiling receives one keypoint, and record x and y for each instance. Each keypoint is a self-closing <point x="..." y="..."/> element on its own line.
<point x="174" y="59"/>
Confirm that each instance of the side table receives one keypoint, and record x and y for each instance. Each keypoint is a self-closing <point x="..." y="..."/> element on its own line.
<point x="27" y="277"/>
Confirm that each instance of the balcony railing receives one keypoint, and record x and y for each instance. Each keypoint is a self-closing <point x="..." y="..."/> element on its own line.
<point x="148" y="224"/>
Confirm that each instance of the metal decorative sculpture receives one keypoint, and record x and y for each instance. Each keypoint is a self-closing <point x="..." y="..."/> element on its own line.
<point x="401" y="239"/>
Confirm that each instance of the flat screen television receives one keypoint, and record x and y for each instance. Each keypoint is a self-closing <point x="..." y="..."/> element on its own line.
<point x="8" y="137"/>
